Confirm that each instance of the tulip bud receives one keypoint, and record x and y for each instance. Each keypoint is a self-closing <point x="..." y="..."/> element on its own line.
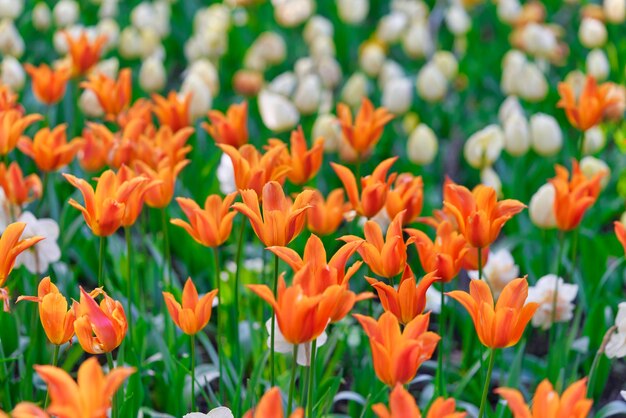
<point x="539" y="40"/>
<point x="389" y="71"/>
<point x="615" y="10"/>
<point x="247" y="82"/>
<point x="304" y="66"/>
<point x="205" y="69"/>
<point x="457" y="20"/>
<point x="509" y="107"/>
<point x="12" y="73"/>
<point x="483" y="148"/>
<point x="447" y="63"/>
<point x="432" y="85"/>
<point x="65" y="13"/>
<point x="317" y="27"/>
<point x="353" y="11"/>
<point x="111" y="30"/>
<point x="545" y="134"/>
<point x="90" y="105"/>
<point x="354" y="90"/>
<point x="144" y="16"/>
<point x="512" y="65"/>
<point x="590" y="166"/>
<point x="371" y="58"/>
<point x="397" y="95"/>
<point x="329" y="71"/>
<point x="42" y="16"/>
<point x="417" y="41"/>
<point x="11" y="42"/>
<point x="422" y="145"/>
<point x="594" y="140"/>
<point x="284" y="84"/>
<point x="509" y="10"/>
<point x="108" y="9"/>
<point x="307" y="95"/>
<point x="489" y="177"/>
<point x="324" y="46"/>
<point x="532" y="84"/>
<point x="108" y="67"/>
<point x="592" y="33"/>
<point x="11" y="9"/>
<point x="272" y="47"/>
<point x="390" y="27"/>
<point x="152" y="75"/>
<point x="327" y="126"/>
<point x="541" y="207"/>
<point x="130" y="44"/>
<point x="598" y="64"/>
<point x="292" y="13"/>
<point x="516" y="135"/>
<point x="201" y="98"/>
<point x="277" y="112"/>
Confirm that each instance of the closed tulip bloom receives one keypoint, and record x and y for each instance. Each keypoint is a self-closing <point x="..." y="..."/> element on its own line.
<point x="50" y="149"/>
<point x="85" y="53"/>
<point x="252" y="169"/>
<point x="19" y="190"/>
<point x="406" y="195"/>
<point x="195" y="312"/>
<point x="105" y="207"/>
<point x="89" y="396"/>
<point x="12" y="127"/>
<point x="154" y="147"/>
<point x="114" y="95"/>
<point x="365" y="131"/>
<point x="281" y="220"/>
<point x="166" y="173"/>
<point x="325" y="216"/>
<point x="479" y="215"/>
<point x="305" y="163"/>
<point x="230" y="128"/>
<point x="210" y="225"/>
<point x="172" y="111"/>
<point x="271" y="406"/>
<point x="403" y="405"/>
<point x="444" y="255"/>
<point x="49" y="84"/>
<point x="25" y="410"/>
<point x="547" y="403"/>
<point x="409" y="300"/>
<point x="374" y="188"/>
<point x="94" y="152"/>
<point x="573" y="195"/>
<point x="503" y="325"/>
<point x="57" y="321"/>
<point x="586" y="110"/>
<point x="8" y="99"/>
<point x="99" y="328"/>
<point x="398" y="354"/>
<point x="134" y="203"/>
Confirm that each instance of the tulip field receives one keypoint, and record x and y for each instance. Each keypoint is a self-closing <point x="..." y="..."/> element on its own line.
<point x="308" y="208"/>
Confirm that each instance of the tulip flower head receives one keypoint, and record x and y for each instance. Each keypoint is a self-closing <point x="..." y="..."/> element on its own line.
<point x="56" y="319"/>
<point x="167" y="174"/>
<point x="49" y="84"/>
<point x="12" y="127"/>
<point x="19" y="190"/>
<point x="503" y="325"/>
<point x="50" y="149"/>
<point x="134" y="203"/>
<point x="8" y="99"/>
<point x="398" y="354"/>
<point x="195" y="312"/>
<point x="407" y="194"/>
<point x="365" y="131"/>
<point x="89" y="396"/>
<point x="99" y="328"/>
<point x="113" y="95"/>
<point x="304" y="163"/>
<point x="403" y="405"/>
<point x="172" y="111"/>
<point x="25" y="410"/>
<point x="271" y="406"/>
<point x="230" y="128"/>
<point x="547" y="403"/>
<point x="588" y="109"/>
<point x="85" y="52"/>
<point x="325" y="216"/>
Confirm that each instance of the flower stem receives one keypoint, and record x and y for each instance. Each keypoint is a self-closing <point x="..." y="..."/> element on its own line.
<point x="8" y="405"/>
<point x="111" y="367"/>
<point x="129" y="282"/>
<point x="55" y="359"/>
<point x="192" y="344"/>
<point x="220" y="311"/>
<point x="242" y="230"/>
<point x="167" y="258"/>
<point x="101" y="262"/>
<point x="292" y="384"/>
<point x="483" y="401"/>
<point x="275" y="290"/>
<point x="441" y="389"/>
<point x="596" y="361"/>
<point x="480" y="263"/>
<point x="310" y="399"/>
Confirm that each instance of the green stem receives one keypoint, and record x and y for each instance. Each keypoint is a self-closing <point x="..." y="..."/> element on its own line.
<point x="292" y="383"/>
<point x="310" y="398"/>
<point x="44" y="182"/>
<point x="5" y="376"/>
<point x="242" y="231"/>
<point x="129" y="281"/>
<point x="167" y="261"/>
<point x="483" y="401"/>
<point x="442" y="317"/>
<point x="220" y="311"/>
<point x="272" y="359"/>
<point x="596" y="361"/>
<point x="480" y="264"/>
<point x="111" y="367"/>
<point x="192" y="343"/>
<point x="55" y="359"/>
<point x="101" y="262"/>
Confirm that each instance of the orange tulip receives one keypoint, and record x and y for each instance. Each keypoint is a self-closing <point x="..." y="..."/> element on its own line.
<point x="154" y="147"/>
<point x="134" y="203"/>
<point x="195" y="312"/>
<point x="444" y="255"/>
<point x="398" y="354"/>
<point x="503" y="326"/>
<point x="230" y="128"/>
<point x="105" y="208"/>
<point x="374" y="188"/>
<point x="99" y="328"/>
<point x="588" y="109"/>
<point x="12" y="127"/>
<point x="409" y="300"/>
<point x="57" y="321"/>
<point x="89" y="396"/>
<point x="479" y="215"/>
<point x="271" y="406"/>
<point x="161" y="195"/>
<point x="620" y="233"/>
<point x="408" y="195"/>
<point x="325" y="217"/>
<point x="301" y="318"/>
<point x="470" y="260"/>
<point x="573" y="196"/>
<point x="210" y="225"/>
<point x="403" y="405"/>
<point x="84" y="52"/>
<point x="304" y="163"/>
<point x="48" y="84"/>
<point x="253" y="170"/>
<point x="50" y="149"/>
<point x="25" y="410"/>
<point x="365" y="132"/>
<point x="113" y="95"/>
<point x="8" y="100"/>
<point x="281" y="220"/>
<point x="548" y="404"/>
<point x="19" y="190"/>
<point x="172" y="111"/>
<point x="385" y="256"/>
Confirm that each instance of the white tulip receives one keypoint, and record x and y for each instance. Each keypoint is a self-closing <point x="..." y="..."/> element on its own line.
<point x="294" y="12"/>
<point x="531" y="83"/>
<point x="539" y="40"/>
<point x="545" y="134"/>
<point x="591" y="166"/>
<point x="509" y="107"/>
<point x="353" y="11"/>
<point x="433" y="300"/>
<point x="206" y="70"/>
<point x="89" y="104"/>
<point x="615" y="10"/>
<point x="316" y="27"/>
<point x="594" y="140"/>
<point x="152" y="75"/>
<point x="371" y="58"/>
<point x="597" y="64"/>
<point x="541" y="207"/>
<point x="543" y="294"/>
<point x="329" y="71"/>
<point x="277" y="112"/>
<point x="11" y="9"/>
<point x="308" y="94"/>
<point x="272" y="47"/>
<point x="284" y="84"/>
<point x="201" y="98"/>
<point x="130" y="44"/>
<point x="412" y="8"/>
<point x="11" y="42"/>
<point x="389" y="71"/>
<point x="616" y="347"/>
<point x="285" y="347"/>
<point x="417" y="41"/>
<point x="304" y="66"/>
<point x="432" y="84"/>
<point x="499" y="270"/>
<point x="65" y="13"/>
<point x="422" y="145"/>
<point x="483" y="148"/>
<point x="323" y="46"/>
<point x="592" y="33"/>
<point x="42" y="16"/>
<point x="38" y="258"/>
<point x="327" y="126"/>
<point x="111" y="30"/>
<point x="226" y="175"/>
<point x="489" y="177"/>
<point x="108" y="67"/>
<point x="13" y="74"/>
<point x="516" y="135"/>
<point x="108" y="9"/>
<point x="354" y="89"/>
<point x="391" y="27"/>
<point x="219" y="412"/>
<point x="509" y="10"/>
<point x="457" y="20"/>
<point x="398" y="95"/>
<point x="447" y="63"/>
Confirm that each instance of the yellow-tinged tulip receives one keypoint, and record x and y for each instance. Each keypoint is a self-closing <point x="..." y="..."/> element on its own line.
<point x="194" y="313"/>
